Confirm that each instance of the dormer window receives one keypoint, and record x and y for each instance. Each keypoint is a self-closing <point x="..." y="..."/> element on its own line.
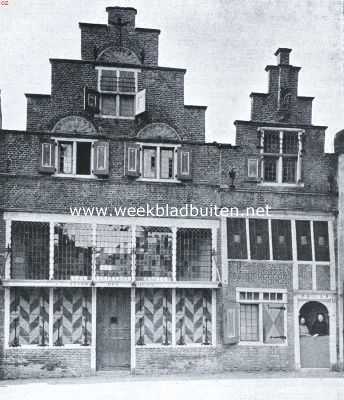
<point x="281" y="155"/>
<point x="118" y="93"/>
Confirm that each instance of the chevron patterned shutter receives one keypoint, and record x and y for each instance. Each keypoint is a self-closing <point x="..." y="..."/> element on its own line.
<point x="47" y="157"/>
<point x="101" y="158"/>
<point x="231" y="323"/>
<point x="273" y="323"/>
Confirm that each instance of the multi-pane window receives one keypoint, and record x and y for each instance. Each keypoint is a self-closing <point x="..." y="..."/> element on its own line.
<point x="74" y="157"/>
<point x="113" y="255"/>
<point x="153" y="252"/>
<point x="281" y="156"/>
<point x="73" y="251"/>
<point x="281" y="239"/>
<point x="260" y="240"/>
<point x="158" y="162"/>
<point x="117" y="92"/>
<point x="194" y="253"/>
<point x="236" y="238"/>
<point x="30" y="250"/>
<point x="262" y="315"/>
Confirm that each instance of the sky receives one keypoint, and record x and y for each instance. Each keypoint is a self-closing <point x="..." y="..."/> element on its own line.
<point x="224" y="45"/>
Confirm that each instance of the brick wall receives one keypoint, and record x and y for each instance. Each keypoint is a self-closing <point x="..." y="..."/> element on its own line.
<point x="45" y="363"/>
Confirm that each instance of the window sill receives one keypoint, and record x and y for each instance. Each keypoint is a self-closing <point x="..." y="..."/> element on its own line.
<point x="75" y="176"/>
<point x="114" y="117"/>
<point x="282" y="185"/>
<point x="158" y="180"/>
<point x="260" y="344"/>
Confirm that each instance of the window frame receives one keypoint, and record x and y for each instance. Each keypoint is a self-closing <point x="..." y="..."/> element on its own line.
<point x="260" y="301"/>
<point x="74" y="158"/>
<point x="280" y="155"/>
<point x="158" y="147"/>
<point x="117" y="93"/>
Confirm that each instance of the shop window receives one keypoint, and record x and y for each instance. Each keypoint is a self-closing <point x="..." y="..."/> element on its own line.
<point x="321" y="243"/>
<point x="281" y="239"/>
<point x="259" y="239"/>
<point x="236" y="238"/>
<point x="30" y="250"/>
<point x="303" y="238"/>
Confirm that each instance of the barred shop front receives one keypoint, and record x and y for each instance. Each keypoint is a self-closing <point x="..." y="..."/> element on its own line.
<point x="108" y="293"/>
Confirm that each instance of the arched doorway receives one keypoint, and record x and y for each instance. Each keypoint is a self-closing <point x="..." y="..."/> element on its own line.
<point x="314" y="335"/>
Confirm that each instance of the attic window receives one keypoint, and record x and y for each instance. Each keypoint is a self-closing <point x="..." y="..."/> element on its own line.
<point x="281" y="152"/>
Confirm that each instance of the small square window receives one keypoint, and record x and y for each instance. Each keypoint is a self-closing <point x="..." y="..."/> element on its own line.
<point x="256" y="295"/>
<point x="236" y="238"/>
<point x="279" y="296"/>
<point x="242" y="295"/>
<point x="265" y="296"/>
<point x="321" y="240"/>
<point x="303" y="240"/>
<point x="281" y="239"/>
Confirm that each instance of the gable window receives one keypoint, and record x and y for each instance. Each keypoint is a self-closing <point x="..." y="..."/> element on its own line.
<point x="281" y="155"/>
<point x="74" y="158"/>
<point x="158" y="162"/>
<point x="118" y="93"/>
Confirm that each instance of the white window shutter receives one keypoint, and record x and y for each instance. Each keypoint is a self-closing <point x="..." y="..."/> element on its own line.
<point x="47" y="157"/>
<point x="231" y="323"/>
<point x="101" y="158"/>
<point x="140" y="105"/>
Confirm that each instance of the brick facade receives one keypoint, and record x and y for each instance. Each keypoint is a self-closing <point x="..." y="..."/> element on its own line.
<point x="25" y="189"/>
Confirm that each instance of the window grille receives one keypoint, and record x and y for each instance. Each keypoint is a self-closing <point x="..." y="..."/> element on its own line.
<point x="113" y="251"/>
<point x="194" y="253"/>
<point x="153" y="252"/>
<point x="73" y="251"/>
<point x="30" y="250"/>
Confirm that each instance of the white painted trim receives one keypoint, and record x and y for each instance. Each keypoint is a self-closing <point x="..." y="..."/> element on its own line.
<point x="294" y="255"/>
<point x="174" y="253"/>
<point x="94" y="245"/>
<point x="132" y="331"/>
<point x="94" y="331"/>
<point x="213" y="250"/>
<point x="314" y="269"/>
<point x="224" y="249"/>
<point x="248" y="241"/>
<point x="51" y="249"/>
<point x="133" y="252"/>
<point x="51" y="317"/>
<point x="6" y="318"/>
<point x="8" y="228"/>
<point x="213" y="318"/>
<point x="332" y="256"/>
<point x="271" y="251"/>
<point x="142" y="221"/>
<point x="174" y="317"/>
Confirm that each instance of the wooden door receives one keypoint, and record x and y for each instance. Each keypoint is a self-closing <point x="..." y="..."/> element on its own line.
<point x="113" y="328"/>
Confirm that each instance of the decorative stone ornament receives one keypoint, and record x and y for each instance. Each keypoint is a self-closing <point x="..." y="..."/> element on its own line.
<point x="74" y="124"/>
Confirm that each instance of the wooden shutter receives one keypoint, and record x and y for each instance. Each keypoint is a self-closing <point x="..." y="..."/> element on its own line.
<point x="140" y="102"/>
<point x="184" y="163"/>
<point x="101" y="158"/>
<point x="91" y="100"/>
<point x="231" y="323"/>
<point x="47" y="157"/>
<point x="132" y="160"/>
<point x="273" y="323"/>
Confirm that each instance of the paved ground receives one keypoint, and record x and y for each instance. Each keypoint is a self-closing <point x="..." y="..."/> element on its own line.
<point x="239" y="386"/>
